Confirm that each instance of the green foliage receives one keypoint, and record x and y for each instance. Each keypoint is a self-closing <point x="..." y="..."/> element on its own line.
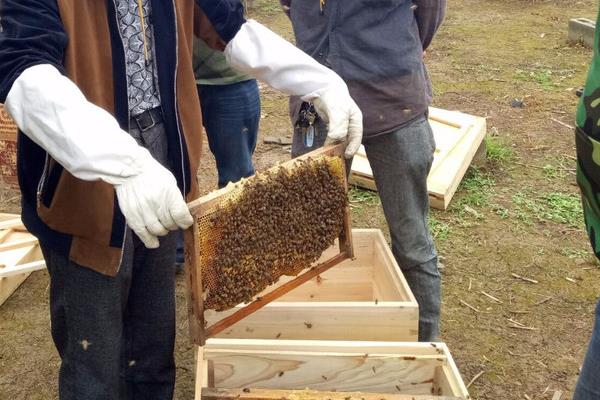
<point x="498" y="151"/>
<point x="360" y="198"/>
<point x="476" y="189"/>
<point x="439" y="229"/>
<point x="264" y="7"/>
<point x="544" y="76"/>
<point x="561" y="208"/>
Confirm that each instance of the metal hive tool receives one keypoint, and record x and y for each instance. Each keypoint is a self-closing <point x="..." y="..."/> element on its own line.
<point x="237" y="248"/>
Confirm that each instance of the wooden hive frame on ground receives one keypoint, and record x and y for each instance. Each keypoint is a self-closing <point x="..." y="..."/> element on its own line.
<point x="319" y="370"/>
<point x="20" y="255"/>
<point x="458" y="138"/>
<point x="195" y="244"/>
<point x="364" y="299"/>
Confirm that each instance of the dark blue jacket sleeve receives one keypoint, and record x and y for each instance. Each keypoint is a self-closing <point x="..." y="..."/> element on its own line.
<point x="31" y="33"/>
<point x="226" y="16"/>
<point x="429" y="14"/>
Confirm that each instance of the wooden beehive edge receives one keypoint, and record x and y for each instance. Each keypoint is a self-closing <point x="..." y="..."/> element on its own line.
<point x="326" y="357"/>
<point x="267" y="394"/>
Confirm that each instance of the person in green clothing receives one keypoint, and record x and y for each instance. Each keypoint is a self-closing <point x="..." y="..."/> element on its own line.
<point x="230" y="110"/>
<point x="587" y="139"/>
<point x="230" y="104"/>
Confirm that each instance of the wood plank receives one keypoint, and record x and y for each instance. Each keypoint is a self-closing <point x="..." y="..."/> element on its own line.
<point x="457" y="141"/>
<point x="194" y="290"/>
<point x="374" y="367"/>
<point x="332" y="372"/>
<point x="443" y="184"/>
<point x="323" y="346"/>
<point x="267" y="394"/>
<point x="17" y="244"/>
<point x="384" y="321"/>
<point x="12" y="223"/>
<point x="8" y="216"/>
<point x="448" y="377"/>
<point x="201" y="373"/>
<point x="9" y="284"/>
<point x="388" y="278"/>
<point x="12" y="270"/>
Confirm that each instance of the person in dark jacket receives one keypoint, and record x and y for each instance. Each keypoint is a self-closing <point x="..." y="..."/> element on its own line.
<point x="104" y="95"/>
<point x="377" y="47"/>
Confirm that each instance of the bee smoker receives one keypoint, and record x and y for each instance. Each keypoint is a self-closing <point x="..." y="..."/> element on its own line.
<point x="305" y="125"/>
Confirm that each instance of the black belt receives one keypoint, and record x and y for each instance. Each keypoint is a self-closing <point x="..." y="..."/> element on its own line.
<point x="148" y="119"/>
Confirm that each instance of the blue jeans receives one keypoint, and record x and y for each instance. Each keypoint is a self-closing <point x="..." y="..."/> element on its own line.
<point x="401" y="161"/>
<point x="588" y="386"/>
<point x="231" y="115"/>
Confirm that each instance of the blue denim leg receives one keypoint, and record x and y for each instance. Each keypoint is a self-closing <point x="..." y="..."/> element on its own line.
<point x="231" y="114"/>
<point x="588" y="386"/>
<point x="401" y="161"/>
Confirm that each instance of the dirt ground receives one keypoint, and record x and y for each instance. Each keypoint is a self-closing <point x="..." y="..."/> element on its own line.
<point x="518" y="213"/>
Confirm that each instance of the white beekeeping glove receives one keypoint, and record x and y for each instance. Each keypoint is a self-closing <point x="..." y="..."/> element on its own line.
<point x="257" y="51"/>
<point x="88" y="142"/>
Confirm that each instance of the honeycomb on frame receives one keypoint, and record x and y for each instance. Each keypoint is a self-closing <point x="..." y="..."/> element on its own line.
<point x="274" y="224"/>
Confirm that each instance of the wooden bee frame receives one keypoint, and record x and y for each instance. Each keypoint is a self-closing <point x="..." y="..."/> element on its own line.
<point x="195" y="289"/>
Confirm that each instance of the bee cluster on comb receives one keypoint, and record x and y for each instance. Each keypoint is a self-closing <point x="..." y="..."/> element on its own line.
<point x="278" y="224"/>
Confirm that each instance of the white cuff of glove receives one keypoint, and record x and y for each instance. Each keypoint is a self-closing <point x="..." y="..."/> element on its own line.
<point x="88" y="142"/>
<point x="257" y="51"/>
<point x="85" y="139"/>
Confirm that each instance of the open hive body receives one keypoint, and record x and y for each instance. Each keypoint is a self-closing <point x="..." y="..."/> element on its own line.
<point x="203" y="254"/>
<point x="377" y="370"/>
<point x="366" y="299"/>
<point x="20" y="255"/>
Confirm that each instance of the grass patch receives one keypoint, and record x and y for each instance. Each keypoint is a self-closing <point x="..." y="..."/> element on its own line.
<point x="360" y="198"/>
<point x="476" y="189"/>
<point x="264" y="7"/>
<point x="498" y="151"/>
<point x="439" y="229"/>
<point x="561" y="208"/>
<point x="545" y="77"/>
<point x="564" y="208"/>
<point x="575" y="253"/>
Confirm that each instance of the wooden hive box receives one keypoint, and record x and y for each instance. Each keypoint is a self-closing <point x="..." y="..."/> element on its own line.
<point x="280" y="369"/>
<point x="20" y="255"/>
<point x="8" y="149"/>
<point x="458" y="137"/>
<point x="365" y="299"/>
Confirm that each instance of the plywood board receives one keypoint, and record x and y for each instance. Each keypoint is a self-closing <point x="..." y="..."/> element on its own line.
<point x="20" y="255"/>
<point x="457" y="136"/>
<point x="366" y="298"/>
<point x="370" y="367"/>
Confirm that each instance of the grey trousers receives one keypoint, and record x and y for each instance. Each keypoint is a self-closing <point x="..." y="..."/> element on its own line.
<point x="401" y="161"/>
<point x="115" y="335"/>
